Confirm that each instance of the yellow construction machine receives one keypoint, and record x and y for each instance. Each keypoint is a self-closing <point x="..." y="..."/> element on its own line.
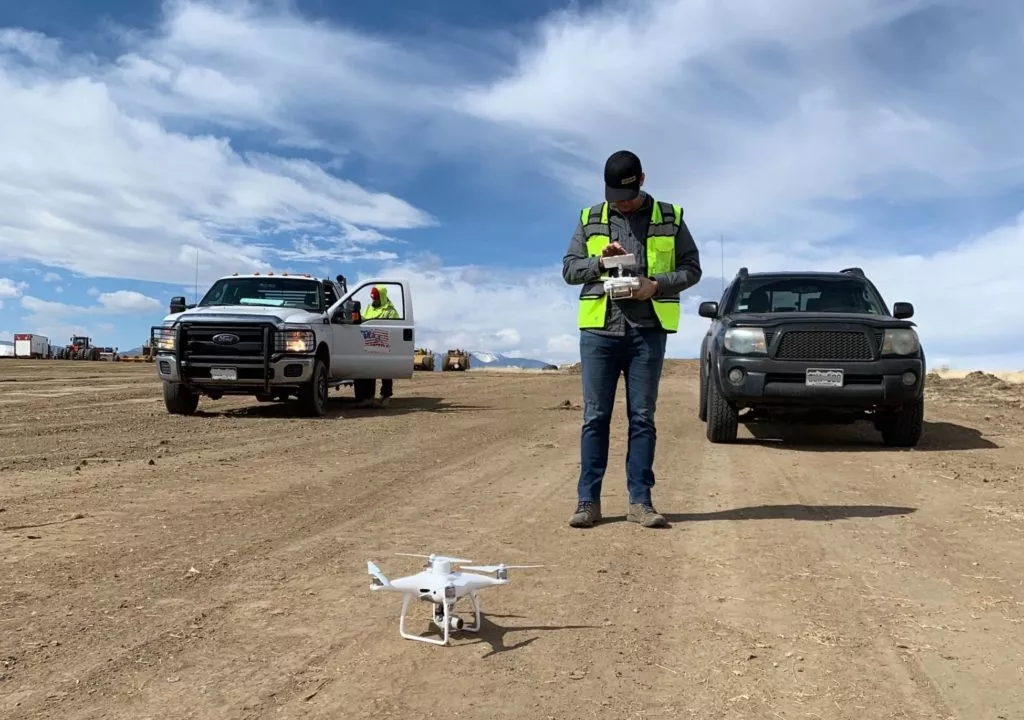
<point x="456" y="360"/>
<point x="422" y="359"/>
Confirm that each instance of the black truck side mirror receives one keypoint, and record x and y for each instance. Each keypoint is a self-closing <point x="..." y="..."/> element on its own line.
<point x="177" y="304"/>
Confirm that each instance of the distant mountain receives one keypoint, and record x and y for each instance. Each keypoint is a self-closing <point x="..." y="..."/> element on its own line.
<point x="134" y="352"/>
<point x="482" y="360"/>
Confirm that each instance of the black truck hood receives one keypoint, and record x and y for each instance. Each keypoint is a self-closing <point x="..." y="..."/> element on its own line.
<point x="815" y="318"/>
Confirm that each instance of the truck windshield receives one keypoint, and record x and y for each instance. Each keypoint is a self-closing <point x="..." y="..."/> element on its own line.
<point x="267" y="291"/>
<point x="810" y="294"/>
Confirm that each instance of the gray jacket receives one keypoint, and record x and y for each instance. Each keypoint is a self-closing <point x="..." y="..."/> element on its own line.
<point x="631" y="232"/>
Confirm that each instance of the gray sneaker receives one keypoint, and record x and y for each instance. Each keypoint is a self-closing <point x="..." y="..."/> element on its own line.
<point x="587" y="514"/>
<point x="645" y="515"/>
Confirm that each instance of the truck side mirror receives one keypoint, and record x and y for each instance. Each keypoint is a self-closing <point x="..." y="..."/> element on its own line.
<point x="177" y="304"/>
<point x="902" y="310"/>
<point x="350" y="313"/>
<point x="708" y="309"/>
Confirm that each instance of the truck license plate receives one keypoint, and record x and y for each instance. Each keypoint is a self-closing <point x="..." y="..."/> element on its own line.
<point x="223" y="373"/>
<point x="821" y="377"/>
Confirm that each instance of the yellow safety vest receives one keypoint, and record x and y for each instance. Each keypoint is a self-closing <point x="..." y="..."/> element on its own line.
<point x="661" y="258"/>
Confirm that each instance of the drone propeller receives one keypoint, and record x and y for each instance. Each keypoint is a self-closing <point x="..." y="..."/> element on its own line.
<point x="436" y="557"/>
<point x="496" y="568"/>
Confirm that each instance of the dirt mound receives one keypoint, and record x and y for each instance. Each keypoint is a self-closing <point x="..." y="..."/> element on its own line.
<point x="975" y="388"/>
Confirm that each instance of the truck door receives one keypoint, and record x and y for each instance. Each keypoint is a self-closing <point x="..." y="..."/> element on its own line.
<point x="378" y="347"/>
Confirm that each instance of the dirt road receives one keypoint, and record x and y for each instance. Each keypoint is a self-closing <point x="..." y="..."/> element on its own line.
<point x="215" y="566"/>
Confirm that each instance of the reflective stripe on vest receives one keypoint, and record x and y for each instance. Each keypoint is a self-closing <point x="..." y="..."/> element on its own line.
<point x="661" y="258"/>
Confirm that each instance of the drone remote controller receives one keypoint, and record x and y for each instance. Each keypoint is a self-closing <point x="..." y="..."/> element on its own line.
<point x="619" y="286"/>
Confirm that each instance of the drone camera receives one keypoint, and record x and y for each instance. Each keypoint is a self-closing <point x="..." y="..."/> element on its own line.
<point x="456" y="622"/>
<point x="502" y="574"/>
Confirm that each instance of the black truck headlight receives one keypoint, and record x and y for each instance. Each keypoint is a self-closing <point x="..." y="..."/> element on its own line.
<point x="745" y="341"/>
<point x="900" y="341"/>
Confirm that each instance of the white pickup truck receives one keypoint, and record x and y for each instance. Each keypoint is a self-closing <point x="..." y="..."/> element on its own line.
<point x="277" y="336"/>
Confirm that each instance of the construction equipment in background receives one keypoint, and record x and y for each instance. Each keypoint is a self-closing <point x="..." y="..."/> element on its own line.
<point x="145" y="354"/>
<point x="80" y="348"/>
<point x="423" y="359"/>
<point x="455" y="360"/>
<point x="109" y="354"/>
<point x="29" y="345"/>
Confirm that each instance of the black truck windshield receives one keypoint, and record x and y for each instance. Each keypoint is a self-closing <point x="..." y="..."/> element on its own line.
<point x="266" y="291"/>
<point x="810" y="294"/>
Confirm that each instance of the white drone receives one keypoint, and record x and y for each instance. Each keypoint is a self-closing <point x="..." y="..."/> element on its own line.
<point x="443" y="586"/>
<point x="619" y="286"/>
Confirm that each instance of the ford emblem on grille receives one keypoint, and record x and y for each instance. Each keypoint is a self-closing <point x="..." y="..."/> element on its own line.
<point x="226" y="339"/>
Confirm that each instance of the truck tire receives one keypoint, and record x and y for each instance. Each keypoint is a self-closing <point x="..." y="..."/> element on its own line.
<point x="702" y="402"/>
<point x="722" y="418"/>
<point x="313" y="395"/>
<point x="903" y="428"/>
<point x="179" y="400"/>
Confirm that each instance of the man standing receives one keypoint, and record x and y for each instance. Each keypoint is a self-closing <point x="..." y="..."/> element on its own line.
<point x="626" y="337"/>
<point x="380" y="307"/>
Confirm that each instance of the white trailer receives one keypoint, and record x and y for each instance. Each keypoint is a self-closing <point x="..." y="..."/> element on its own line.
<point x="27" y="345"/>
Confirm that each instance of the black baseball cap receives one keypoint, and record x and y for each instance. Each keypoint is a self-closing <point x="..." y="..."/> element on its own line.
<point x="622" y="174"/>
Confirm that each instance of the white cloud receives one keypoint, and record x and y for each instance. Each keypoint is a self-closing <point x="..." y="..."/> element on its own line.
<point x="121" y="302"/>
<point x="103" y="191"/>
<point x="11" y="289"/>
<point x="59" y="321"/>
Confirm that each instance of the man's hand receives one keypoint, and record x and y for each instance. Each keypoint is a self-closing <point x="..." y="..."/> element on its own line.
<point x="646" y="290"/>
<point x="613" y="248"/>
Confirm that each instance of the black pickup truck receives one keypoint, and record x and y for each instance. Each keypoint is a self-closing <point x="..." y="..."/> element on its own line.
<point x="817" y="347"/>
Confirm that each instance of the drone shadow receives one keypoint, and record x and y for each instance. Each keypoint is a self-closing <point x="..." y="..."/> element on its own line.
<point x="494" y="635"/>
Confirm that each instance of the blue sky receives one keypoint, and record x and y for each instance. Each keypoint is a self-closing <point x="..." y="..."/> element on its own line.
<point x="452" y="143"/>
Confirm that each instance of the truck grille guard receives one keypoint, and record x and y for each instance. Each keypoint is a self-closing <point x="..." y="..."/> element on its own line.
<point x="185" y="359"/>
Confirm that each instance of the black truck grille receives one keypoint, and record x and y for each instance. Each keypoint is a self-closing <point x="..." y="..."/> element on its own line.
<point x="824" y="345"/>
<point x="198" y="344"/>
<point x="249" y="354"/>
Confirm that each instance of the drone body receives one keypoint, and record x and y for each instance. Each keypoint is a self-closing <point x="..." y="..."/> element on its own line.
<point x="440" y="584"/>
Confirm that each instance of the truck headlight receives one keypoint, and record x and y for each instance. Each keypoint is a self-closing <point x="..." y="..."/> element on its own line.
<point x="900" y="341"/>
<point x="295" y="341"/>
<point x="165" y="339"/>
<point x="745" y="341"/>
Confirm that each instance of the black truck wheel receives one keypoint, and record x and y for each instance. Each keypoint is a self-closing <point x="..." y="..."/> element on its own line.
<point x="722" y="418"/>
<point x="903" y="428"/>
<point x="179" y="399"/>
<point x="313" y="395"/>
<point x="702" y="401"/>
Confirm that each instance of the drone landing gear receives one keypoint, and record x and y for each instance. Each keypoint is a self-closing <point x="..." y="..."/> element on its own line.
<point x="443" y="619"/>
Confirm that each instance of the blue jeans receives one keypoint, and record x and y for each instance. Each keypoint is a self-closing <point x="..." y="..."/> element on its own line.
<point x="638" y="356"/>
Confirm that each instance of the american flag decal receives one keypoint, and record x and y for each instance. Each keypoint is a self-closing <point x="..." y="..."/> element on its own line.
<point x="376" y="340"/>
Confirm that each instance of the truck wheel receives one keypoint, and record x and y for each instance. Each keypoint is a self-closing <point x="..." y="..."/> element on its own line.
<point x="702" y="402"/>
<point x="313" y="395"/>
<point x="722" y="418"/>
<point x="179" y="400"/>
<point x="903" y="428"/>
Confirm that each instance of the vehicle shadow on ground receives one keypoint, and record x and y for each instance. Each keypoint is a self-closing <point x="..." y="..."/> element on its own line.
<point x="861" y="437"/>
<point x="345" y="407"/>
<point x="817" y="513"/>
<point x="494" y="635"/>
